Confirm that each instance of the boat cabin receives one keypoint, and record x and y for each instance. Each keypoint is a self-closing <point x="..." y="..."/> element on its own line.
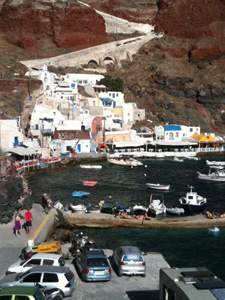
<point x="190" y="284"/>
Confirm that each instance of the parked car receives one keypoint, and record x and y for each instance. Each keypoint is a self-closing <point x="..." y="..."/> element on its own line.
<point x="93" y="266"/>
<point x="129" y="260"/>
<point x="19" y="293"/>
<point x="38" y="259"/>
<point x="49" y="277"/>
<point x="28" y="293"/>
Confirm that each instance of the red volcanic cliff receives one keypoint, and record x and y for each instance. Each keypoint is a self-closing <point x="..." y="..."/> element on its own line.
<point x="67" y="25"/>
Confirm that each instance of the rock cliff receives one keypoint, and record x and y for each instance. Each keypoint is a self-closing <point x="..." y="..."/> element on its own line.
<point x="178" y="78"/>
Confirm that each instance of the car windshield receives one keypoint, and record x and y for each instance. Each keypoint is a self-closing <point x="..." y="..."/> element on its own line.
<point x="97" y="262"/>
<point x="133" y="258"/>
<point x="23" y="261"/>
<point x="61" y="261"/>
<point x="21" y="275"/>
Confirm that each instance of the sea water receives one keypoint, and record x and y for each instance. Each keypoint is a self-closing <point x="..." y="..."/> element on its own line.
<point x="125" y="185"/>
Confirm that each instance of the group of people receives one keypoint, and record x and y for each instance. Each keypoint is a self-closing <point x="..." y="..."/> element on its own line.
<point x="123" y="215"/>
<point x="28" y="218"/>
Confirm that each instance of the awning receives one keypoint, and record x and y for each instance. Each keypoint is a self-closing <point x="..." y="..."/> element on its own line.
<point x="22" y="151"/>
<point x="128" y="144"/>
<point x="106" y="99"/>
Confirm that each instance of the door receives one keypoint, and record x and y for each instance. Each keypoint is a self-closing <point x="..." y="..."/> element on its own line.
<point x="79" y="148"/>
<point x="16" y="141"/>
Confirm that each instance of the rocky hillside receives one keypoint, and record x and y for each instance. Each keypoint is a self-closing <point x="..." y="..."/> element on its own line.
<point x="178" y="78"/>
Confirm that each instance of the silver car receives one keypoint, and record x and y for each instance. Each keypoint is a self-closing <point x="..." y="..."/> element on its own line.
<point x="49" y="277"/>
<point x="129" y="260"/>
<point x="93" y="266"/>
<point x="38" y="259"/>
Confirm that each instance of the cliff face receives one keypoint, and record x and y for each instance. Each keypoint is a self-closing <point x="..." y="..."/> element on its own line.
<point x="65" y="25"/>
<point x="178" y="78"/>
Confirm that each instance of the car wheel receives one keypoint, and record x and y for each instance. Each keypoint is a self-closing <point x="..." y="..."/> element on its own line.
<point x="119" y="273"/>
<point x="62" y="294"/>
<point x="143" y="275"/>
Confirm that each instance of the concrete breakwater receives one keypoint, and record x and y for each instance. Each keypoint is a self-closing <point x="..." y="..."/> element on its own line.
<point x="109" y="221"/>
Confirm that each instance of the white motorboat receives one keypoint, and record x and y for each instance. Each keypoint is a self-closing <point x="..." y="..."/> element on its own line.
<point x="192" y="158"/>
<point x="217" y="175"/>
<point x="91" y="166"/>
<point x="192" y="202"/>
<point x="139" y="209"/>
<point x="124" y="161"/>
<point x="157" y="186"/>
<point x="174" y="210"/>
<point x="156" y="206"/>
<point x="215" y="163"/>
<point x="177" y="159"/>
<point x="79" y="208"/>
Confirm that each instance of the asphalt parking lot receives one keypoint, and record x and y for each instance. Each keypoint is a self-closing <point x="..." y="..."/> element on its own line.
<point x="125" y="287"/>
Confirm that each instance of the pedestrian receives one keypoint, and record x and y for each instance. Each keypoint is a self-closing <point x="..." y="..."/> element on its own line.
<point x="17" y="226"/>
<point x="28" y="220"/>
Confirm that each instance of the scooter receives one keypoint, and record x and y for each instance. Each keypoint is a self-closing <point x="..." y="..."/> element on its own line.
<point x="80" y="243"/>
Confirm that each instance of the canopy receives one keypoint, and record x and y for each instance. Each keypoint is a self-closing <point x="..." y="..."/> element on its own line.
<point x="22" y="151"/>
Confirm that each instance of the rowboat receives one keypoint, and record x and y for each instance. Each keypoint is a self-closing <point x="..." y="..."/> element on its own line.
<point x="90" y="166"/>
<point x="157" y="186"/>
<point x="90" y="183"/>
<point x="79" y="208"/>
<point x="156" y="206"/>
<point x="125" y="161"/>
<point x="80" y="194"/>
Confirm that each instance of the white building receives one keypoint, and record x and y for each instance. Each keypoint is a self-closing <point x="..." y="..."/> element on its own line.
<point x="175" y="133"/>
<point x="83" y="79"/>
<point x="10" y="134"/>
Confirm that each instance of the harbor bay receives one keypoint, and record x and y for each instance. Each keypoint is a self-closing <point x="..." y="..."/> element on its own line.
<point x="125" y="185"/>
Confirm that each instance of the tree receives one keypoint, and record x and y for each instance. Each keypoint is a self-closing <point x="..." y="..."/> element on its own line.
<point x="112" y="84"/>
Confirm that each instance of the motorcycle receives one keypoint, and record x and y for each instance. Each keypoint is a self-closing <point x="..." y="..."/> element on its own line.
<point x="80" y="243"/>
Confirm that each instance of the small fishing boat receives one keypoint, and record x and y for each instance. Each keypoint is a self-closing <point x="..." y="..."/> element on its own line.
<point x="91" y="166"/>
<point x="156" y="206"/>
<point x="80" y="194"/>
<point x="174" y="210"/>
<point x="192" y="202"/>
<point x="157" y="186"/>
<point x="105" y="207"/>
<point x="118" y="207"/>
<point x="93" y="209"/>
<point x="90" y="183"/>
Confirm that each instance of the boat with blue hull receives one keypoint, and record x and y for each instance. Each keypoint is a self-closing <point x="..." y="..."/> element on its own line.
<point x="80" y="194"/>
<point x="192" y="202"/>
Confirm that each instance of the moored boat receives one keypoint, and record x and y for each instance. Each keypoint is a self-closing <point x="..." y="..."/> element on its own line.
<point x="157" y="186"/>
<point x="80" y="194"/>
<point x="79" y="208"/>
<point x="118" y="207"/>
<point x="217" y="175"/>
<point x="177" y="159"/>
<point x="215" y="163"/>
<point x="192" y="202"/>
<point x="125" y="161"/>
<point x="138" y="209"/>
<point x="174" y="210"/>
<point x="90" y="183"/>
<point x="91" y="166"/>
<point x="156" y="206"/>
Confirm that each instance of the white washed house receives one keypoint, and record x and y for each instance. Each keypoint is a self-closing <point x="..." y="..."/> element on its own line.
<point x="10" y="134"/>
<point x="83" y="79"/>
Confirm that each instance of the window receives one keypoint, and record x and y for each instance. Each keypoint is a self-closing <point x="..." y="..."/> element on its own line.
<point x="21" y="297"/>
<point x="191" y="129"/>
<point x="50" y="277"/>
<point x="35" y="277"/>
<point x="48" y="262"/>
<point x="5" y="297"/>
<point x="177" y="134"/>
<point x="33" y="262"/>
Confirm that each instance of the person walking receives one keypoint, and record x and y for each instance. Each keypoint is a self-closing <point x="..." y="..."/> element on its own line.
<point x="17" y="226"/>
<point x="28" y="220"/>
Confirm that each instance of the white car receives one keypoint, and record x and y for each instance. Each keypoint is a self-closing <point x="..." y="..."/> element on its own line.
<point x="39" y="259"/>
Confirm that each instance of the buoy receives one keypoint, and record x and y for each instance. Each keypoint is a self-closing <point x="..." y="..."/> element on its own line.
<point x="146" y="166"/>
<point x="144" y="174"/>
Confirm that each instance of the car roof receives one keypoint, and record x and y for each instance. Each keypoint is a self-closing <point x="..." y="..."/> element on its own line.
<point x="47" y="255"/>
<point x="19" y="290"/>
<point x="46" y="268"/>
<point x="130" y="250"/>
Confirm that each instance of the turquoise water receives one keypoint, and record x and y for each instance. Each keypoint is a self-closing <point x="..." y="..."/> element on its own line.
<point x="180" y="247"/>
